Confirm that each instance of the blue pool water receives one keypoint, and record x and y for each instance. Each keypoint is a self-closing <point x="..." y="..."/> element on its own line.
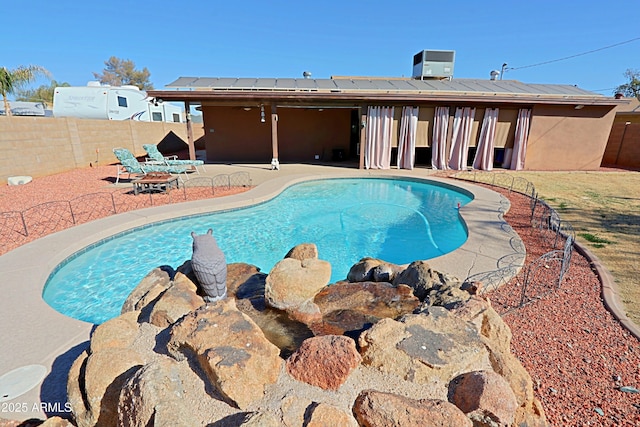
<point x="399" y="221"/>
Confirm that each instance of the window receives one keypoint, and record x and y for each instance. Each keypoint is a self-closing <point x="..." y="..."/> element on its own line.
<point x="122" y="101"/>
<point x="156" y="117"/>
<point x="176" y="118"/>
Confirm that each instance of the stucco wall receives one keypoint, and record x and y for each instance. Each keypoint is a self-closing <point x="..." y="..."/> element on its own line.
<point x="234" y="134"/>
<point x="41" y="146"/>
<point x="562" y="138"/>
<point x="623" y="146"/>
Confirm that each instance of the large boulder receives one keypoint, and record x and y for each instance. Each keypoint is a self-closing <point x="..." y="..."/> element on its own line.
<point x="374" y="408"/>
<point x="245" y="281"/>
<point x="422" y="278"/>
<point x="373" y="270"/>
<point x="230" y="348"/>
<point x="291" y="284"/>
<point x="95" y="381"/>
<point x="496" y="336"/>
<point x="349" y="308"/>
<point x="303" y="251"/>
<point x="149" y="289"/>
<point x="119" y="332"/>
<point x="179" y="299"/>
<point x="324" y="362"/>
<point x="155" y="395"/>
<point x="485" y="397"/>
<point x="424" y="348"/>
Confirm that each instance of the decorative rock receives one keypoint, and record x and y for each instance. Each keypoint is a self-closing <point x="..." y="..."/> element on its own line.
<point x="326" y="415"/>
<point x="119" y="332"/>
<point x="424" y="349"/>
<point x="303" y="251"/>
<point x="210" y="266"/>
<point x="349" y="308"/>
<point x="230" y="348"/>
<point x="93" y="391"/>
<point x="292" y="282"/>
<point x="373" y="408"/>
<point x="419" y="276"/>
<point x="324" y="362"/>
<point x="372" y="269"/>
<point x="294" y="409"/>
<point x="155" y="283"/>
<point x="485" y="397"/>
<point x="154" y="396"/>
<point x="180" y="299"/>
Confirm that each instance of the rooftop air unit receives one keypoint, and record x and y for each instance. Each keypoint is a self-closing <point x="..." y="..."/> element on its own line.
<point x="433" y="64"/>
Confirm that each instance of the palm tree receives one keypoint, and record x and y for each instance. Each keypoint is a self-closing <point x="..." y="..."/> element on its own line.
<point x="12" y="80"/>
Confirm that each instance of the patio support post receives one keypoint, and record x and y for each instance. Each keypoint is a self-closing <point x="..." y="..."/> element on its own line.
<point x="275" y="164"/>
<point x="192" y="147"/>
<point x="362" y="110"/>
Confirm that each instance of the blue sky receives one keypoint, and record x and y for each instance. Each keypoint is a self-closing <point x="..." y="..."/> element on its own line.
<point x="267" y="38"/>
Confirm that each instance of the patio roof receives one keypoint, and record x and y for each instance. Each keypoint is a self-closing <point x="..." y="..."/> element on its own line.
<point x="359" y="90"/>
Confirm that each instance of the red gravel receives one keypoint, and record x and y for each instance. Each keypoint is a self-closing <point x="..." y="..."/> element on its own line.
<point x="90" y="193"/>
<point x="577" y="353"/>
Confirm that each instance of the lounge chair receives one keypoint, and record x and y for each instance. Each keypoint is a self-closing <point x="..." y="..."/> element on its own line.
<point x="131" y="165"/>
<point x="156" y="156"/>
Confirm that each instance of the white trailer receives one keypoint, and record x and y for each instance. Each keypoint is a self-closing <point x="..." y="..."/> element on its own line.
<point x="95" y="101"/>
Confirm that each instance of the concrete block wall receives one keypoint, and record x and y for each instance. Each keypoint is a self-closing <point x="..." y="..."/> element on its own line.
<point x="41" y="146"/>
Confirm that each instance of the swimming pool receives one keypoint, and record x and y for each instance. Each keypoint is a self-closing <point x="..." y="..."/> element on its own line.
<point x="398" y="220"/>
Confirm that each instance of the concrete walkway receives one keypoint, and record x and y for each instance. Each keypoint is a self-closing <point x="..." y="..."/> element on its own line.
<point x="32" y="333"/>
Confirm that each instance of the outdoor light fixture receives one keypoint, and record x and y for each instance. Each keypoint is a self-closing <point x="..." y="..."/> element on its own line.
<point x="579" y="107"/>
<point x="262" y="114"/>
<point x="247" y="108"/>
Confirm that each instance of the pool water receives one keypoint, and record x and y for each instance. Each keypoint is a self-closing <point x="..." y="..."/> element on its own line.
<point x="399" y="221"/>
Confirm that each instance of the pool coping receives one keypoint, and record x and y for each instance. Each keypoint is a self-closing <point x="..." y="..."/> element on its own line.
<point x="34" y="333"/>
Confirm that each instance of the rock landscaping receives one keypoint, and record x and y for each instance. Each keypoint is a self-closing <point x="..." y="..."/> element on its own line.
<point x="392" y="345"/>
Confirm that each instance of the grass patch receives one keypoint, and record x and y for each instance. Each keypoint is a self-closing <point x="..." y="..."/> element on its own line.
<point x="598" y="242"/>
<point x="562" y="206"/>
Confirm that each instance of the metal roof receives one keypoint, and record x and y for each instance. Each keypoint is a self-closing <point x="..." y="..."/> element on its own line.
<point x="380" y="85"/>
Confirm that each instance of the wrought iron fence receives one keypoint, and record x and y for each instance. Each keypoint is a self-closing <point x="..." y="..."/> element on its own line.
<point x="20" y="227"/>
<point x="546" y="272"/>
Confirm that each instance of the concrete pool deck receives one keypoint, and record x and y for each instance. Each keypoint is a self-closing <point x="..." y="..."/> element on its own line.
<point x="33" y="333"/>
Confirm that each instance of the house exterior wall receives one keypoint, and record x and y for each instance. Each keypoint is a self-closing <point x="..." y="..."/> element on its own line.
<point x="563" y="138"/>
<point x="560" y="137"/>
<point x="233" y="134"/>
<point x="41" y="146"/>
<point x="623" y="146"/>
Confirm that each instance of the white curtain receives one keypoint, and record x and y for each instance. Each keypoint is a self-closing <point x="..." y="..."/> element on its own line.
<point x="520" y="140"/>
<point x="484" y="153"/>
<point x="462" y="125"/>
<point x="439" y="142"/>
<point x="407" y="141"/>
<point x="379" y="134"/>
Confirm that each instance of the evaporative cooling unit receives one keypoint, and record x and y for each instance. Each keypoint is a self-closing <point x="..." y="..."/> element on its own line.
<point x="433" y="64"/>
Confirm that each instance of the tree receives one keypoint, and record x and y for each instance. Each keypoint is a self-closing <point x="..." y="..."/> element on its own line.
<point x="13" y="80"/>
<point x="42" y="93"/>
<point x="118" y="72"/>
<point x="632" y="87"/>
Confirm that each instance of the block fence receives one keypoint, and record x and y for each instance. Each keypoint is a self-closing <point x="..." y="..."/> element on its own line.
<point x="41" y="146"/>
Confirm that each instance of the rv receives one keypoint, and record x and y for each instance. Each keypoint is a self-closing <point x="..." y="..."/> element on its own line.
<point x="96" y="101"/>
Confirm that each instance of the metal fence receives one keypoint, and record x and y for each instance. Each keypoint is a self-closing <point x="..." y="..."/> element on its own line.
<point x="20" y="227"/>
<point x="543" y="274"/>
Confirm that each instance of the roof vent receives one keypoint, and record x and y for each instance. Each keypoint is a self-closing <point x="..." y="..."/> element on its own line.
<point x="433" y="64"/>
